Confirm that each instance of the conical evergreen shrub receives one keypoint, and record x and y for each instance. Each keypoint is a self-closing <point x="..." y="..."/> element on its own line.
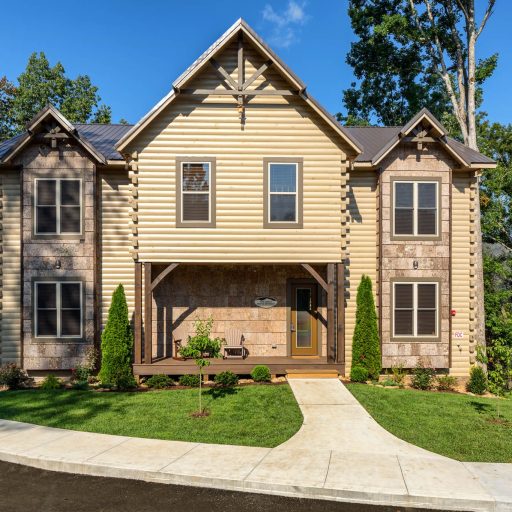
<point x="117" y="345"/>
<point x="365" y="342"/>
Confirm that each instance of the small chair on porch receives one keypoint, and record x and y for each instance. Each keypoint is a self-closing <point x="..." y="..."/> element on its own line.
<point x="234" y="347"/>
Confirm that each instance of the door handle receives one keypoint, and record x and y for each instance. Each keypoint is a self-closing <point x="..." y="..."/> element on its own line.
<point x="292" y="328"/>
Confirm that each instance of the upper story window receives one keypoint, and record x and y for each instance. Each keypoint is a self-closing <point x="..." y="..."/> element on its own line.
<point x="283" y="190"/>
<point x="58" y="309"/>
<point x="415" y="309"/>
<point x="196" y="193"/>
<point x="58" y="206"/>
<point x="416" y="208"/>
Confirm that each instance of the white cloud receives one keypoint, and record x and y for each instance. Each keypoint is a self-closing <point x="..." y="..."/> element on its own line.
<point x="285" y="24"/>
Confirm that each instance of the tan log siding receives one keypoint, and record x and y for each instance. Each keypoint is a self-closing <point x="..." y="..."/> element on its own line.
<point x="362" y="245"/>
<point x="275" y="126"/>
<point x="461" y="274"/>
<point x="117" y="265"/>
<point x="10" y="268"/>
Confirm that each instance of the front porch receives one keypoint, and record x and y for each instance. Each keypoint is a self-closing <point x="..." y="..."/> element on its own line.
<point x="277" y="366"/>
<point x="301" y="331"/>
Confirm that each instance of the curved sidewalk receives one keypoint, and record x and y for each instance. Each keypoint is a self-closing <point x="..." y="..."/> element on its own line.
<point x="340" y="453"/>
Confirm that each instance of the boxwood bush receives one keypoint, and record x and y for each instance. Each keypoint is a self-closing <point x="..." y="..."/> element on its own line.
<point x="189" y="380"/>
<point x="477" y="383"/>
<point x="159" y="381"/>
<point x="226" y="379"/>
<point x="261" y="373"/>
<point x="51" y="382"/>
<point x="358" y="373"/>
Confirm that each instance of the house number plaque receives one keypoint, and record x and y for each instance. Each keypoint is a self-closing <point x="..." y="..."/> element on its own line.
<point x="265" y="302"/>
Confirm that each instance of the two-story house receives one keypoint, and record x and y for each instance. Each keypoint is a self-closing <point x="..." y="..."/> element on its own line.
<point x="238" y="197"/>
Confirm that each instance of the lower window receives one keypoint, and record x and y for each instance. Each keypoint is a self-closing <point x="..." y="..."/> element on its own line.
<point x="415" y="309"/>
<point x="58" y="309"/>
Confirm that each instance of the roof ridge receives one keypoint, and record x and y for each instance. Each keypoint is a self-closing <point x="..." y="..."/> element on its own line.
<point x="102" y="124"/>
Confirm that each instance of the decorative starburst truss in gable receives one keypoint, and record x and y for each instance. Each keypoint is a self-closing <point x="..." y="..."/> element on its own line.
<point x="240" y="88"/>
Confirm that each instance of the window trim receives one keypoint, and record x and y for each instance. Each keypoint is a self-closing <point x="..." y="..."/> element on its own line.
<point x="58" y="234"/>
<point x="415" y="281"/>
<point x="58" y="282"/>
<point x="298" y="223"/>
<point x="180" y="223"/>
<point x="415" y="181"/>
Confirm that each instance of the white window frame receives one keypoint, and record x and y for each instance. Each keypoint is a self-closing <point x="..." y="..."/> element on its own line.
<point x="296" y="194"/>
<point x="415" y="208"/>
<point x="58" y="206"/>
<point x="415" y="309"/>
<point x="209" y="193"/>
<point x="58" y="309"/>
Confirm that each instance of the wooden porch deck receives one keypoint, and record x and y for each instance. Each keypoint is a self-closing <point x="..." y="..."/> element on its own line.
<point x="277" y="366"/>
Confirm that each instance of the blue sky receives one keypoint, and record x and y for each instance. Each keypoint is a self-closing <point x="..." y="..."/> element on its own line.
<point x="133" y="50"/>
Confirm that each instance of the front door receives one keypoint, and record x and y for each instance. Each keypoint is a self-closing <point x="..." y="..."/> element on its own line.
<point x="303" y="325"/>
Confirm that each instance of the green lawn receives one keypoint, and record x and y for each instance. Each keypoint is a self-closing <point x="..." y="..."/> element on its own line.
<point x="459" y="426"/>
<point x="250" y="415"/>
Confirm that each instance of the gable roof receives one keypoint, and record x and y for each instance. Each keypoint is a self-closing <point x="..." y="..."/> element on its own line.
<point x="378" y="141"/>
<point x="12" y="147"/>
<point x="240" y="26"/>
<point x="98" y="139"/>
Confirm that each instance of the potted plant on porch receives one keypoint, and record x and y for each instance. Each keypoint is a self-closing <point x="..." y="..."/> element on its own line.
<point x="201" y="347"/>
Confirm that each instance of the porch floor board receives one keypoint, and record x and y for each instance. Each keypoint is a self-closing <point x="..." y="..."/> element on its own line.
<point x="277" y="365"/>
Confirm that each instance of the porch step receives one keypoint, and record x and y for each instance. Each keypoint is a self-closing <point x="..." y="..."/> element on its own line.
<point x="312" y="374"/>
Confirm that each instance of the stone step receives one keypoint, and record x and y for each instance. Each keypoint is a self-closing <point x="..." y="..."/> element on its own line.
<point x="293" y="373"/>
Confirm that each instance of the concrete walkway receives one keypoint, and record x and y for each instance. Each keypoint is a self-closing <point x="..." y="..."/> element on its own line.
<point x="340" y="453"/>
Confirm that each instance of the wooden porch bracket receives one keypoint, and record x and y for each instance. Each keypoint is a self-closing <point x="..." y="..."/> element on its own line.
<point x="319" y="279"/>
<point x="148" y="315"/>
<point x="331" y="327"/>
<point x="160" y="277"/>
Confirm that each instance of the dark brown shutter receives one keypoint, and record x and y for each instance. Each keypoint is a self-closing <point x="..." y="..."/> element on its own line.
<point x="404" y="312"/>
<point x="426" y="320"/>
<point x="46" y="207"/>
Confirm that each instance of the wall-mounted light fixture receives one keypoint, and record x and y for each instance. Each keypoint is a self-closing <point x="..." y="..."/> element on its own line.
<point x="415" y="264"/>
<point x="57" y="264"/>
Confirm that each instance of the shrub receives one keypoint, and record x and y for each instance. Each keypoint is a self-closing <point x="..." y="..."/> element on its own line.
<point x="159" y="381"/>
<point x="117" y="345"/>
<point x="80" y="374"/>
<point x="446" y="382"/>
<point x="51" y="382"/>
<point x="422" y="376"/>
<point x="261" y="373"/>
<point x="365" y="342"/>
<point x="389" y="383"/>
<point x="189" y="380"/>
<point x="477" y="383"/>
<point x="398" y="375"/>
<point x="358" y="373"/>
<point x="81" y="386"/>
<point x="226" y="379"/>
<point x="14" y="377"/>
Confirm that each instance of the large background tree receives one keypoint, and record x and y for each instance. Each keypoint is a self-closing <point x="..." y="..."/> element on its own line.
<point x="431" y="44"/>
<point x="40" y="84"/>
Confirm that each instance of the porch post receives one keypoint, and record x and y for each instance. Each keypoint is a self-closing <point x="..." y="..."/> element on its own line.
<point x="340" y="340"/>
<point x="148" y="315"/>
<point x="331" y="326"/>
<point x="138" y="314"/>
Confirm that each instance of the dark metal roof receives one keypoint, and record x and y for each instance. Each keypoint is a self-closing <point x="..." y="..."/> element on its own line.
<point x="374" y="138"/>
<point x="8" y="144"/>
<point x="104" y="137"/>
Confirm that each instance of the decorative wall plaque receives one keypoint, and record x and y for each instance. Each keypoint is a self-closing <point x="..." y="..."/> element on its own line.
<point x="265" y="302"/>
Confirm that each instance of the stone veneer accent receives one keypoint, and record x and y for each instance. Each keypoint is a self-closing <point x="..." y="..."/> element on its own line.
<point x="433" y="257"/>
<point x="227" y="293"/>
<point x="39" y="256"/>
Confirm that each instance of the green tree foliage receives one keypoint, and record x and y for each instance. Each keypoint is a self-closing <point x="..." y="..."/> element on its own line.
<point x="398" y="71"/>
<point x="40" y="84"/>
<point x="117" y="344"/>
<point x="365" y="341"/>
